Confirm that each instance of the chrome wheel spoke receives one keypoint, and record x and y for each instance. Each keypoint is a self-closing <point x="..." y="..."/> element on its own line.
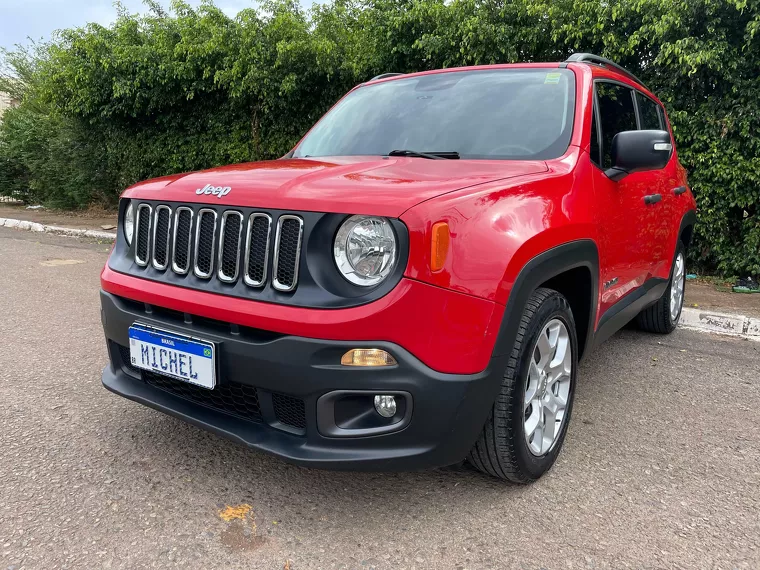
<point x="534" y="380"/>
<point x="531" y="423"/>
<point x="544" y="349"/>
<point x="536" y="443"/>
<point x="550" y="428"/>
<point x="547" y="387"/>
<point x="561" y="364"/>
<point x="553" y="403"/>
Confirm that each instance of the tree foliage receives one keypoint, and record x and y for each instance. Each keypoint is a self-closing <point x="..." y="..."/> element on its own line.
<point x="165" y="92"/>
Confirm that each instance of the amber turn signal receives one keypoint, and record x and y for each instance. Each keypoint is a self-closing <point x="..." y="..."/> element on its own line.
<point x="439" y="245"/>
<point x="367" y="357"/>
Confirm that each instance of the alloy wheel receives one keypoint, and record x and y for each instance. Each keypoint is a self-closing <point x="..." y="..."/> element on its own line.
<point x="547" y="387"/>
<point x="676" y="287"/>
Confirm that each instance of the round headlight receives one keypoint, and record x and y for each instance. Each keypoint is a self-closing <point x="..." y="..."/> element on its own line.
<point x="365" y="250"/>
<point x="129" y="223"/>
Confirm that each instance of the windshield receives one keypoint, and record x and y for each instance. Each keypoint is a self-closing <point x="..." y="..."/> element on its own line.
<point x="490" y="114"/>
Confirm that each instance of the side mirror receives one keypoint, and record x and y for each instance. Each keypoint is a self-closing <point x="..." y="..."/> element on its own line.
<point x="637" y="151"/>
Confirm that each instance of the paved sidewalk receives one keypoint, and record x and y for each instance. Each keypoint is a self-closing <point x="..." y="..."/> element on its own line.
<point x="24" y="225"/>
<point x="93" y="219"/>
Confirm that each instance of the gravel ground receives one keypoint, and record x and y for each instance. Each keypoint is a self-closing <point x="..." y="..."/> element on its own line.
<point x="661" y="465"/>
<point x="704" y="296"/>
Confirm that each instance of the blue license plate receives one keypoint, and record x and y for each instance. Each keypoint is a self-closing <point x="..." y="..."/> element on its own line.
<point x="189" y="359"/>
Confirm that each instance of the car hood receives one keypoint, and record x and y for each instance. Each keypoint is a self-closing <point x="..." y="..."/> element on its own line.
<point x="356" y="185"/>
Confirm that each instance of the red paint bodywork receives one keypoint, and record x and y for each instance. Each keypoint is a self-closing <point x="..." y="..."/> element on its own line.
<point x="501" y="214"/>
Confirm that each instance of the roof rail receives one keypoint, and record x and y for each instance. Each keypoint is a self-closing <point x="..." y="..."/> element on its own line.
<point x="604" y="62"/>
<point x="384" y="75"/>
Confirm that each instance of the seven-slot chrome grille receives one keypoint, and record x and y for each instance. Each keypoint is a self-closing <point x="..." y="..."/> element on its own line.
<point x="224" y="245"/>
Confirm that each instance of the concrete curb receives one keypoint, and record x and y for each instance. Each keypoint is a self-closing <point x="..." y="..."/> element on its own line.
<point x="35" y="227"/>
<point x="721" y="323"/>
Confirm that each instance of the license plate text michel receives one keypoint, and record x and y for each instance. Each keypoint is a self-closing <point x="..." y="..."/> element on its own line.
<point x="172" y="355"/>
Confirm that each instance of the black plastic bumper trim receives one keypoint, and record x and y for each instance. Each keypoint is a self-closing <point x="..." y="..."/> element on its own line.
<point x="448" y="414"/>
<point x="327" y="425"/>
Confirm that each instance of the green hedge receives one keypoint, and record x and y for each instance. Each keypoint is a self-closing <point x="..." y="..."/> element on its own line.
<point x="103" y="107"/>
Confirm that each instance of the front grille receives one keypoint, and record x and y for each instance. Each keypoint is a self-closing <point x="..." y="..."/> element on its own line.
<point x="287" y="250"/>
<point x="229" y="251"/>
<point x="211" y="244"/>
<point x="126" y="359"/>
<point x="239" y="400"/>
<point x="234" y="399"/>
<point x="161" y="227"/>
<point x="289" y="410"/>
<point x="142" y="232"/>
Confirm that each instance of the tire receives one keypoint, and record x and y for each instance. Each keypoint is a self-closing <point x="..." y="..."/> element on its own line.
<point x="502" y="449"/>
<point x="660" y="318"/>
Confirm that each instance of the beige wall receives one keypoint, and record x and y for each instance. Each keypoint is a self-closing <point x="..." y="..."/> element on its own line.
<point x="5" y="102"/>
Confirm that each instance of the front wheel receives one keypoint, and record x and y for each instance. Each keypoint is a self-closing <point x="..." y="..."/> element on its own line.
<point x="526" y="428"/>
<point x="662" y="317"/>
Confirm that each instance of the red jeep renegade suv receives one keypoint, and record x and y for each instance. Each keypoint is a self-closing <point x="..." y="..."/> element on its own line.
<point x="414" y="283"/>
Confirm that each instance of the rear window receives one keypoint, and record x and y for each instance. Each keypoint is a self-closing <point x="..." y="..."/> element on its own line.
<point x="487" y="114"/>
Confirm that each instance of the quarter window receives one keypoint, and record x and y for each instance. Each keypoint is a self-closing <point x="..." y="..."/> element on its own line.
<point x="616" y="114"/>
<point x="649" y="113"/>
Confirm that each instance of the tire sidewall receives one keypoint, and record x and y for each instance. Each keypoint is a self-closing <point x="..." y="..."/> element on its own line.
<point x="555" y="307"/>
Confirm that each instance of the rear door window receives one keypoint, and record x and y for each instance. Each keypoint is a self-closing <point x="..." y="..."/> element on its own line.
<point x="616" y="114"/>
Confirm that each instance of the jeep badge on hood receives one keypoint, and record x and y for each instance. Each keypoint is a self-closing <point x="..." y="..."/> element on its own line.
<point x="214" y="190"/>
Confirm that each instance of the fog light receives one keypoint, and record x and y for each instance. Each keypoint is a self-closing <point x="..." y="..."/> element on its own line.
<point x="385" y="406"/>
<point x="367" y="357"/>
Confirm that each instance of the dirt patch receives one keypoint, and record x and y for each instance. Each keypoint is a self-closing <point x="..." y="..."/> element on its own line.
<point x="239" y="536"/>
<point x="92" y="219"/>
<point x="705" y="296"/>
<point x="240" y="533"/>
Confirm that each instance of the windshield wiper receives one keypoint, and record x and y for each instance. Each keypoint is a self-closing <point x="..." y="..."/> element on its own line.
<point x="450" y="154"/>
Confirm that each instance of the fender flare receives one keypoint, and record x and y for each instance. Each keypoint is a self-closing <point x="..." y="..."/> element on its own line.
<point x="688" y="219"/>
<point x="550" y="263"/>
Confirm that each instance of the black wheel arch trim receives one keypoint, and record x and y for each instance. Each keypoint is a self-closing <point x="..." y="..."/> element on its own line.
<point x="689" y="219"/>
<point x="540" y="269"/>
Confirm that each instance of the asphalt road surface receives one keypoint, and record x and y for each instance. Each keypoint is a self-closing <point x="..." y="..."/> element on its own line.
<point x="661" y="466"/>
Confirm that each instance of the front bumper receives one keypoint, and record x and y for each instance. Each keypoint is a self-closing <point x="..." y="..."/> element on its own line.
<point x="446" y="411"/>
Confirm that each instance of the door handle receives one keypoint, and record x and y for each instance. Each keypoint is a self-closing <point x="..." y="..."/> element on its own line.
<point x="652" y="198"/>
<point x="679" y="190"/>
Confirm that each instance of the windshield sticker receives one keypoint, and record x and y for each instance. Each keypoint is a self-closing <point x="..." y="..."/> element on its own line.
<point x="552" y="78"/>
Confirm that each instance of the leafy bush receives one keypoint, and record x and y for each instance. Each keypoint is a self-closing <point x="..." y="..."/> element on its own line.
<point x="169" y="92"/>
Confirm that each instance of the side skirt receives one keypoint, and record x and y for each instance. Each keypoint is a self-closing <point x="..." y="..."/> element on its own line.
<point x="619" y="314"/>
